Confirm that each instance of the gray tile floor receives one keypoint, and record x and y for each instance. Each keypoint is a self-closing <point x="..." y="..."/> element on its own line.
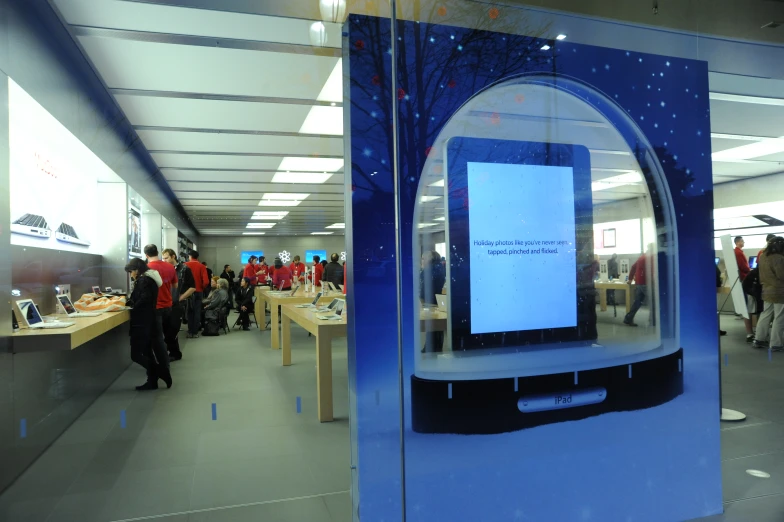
<point x="259" y="461"/>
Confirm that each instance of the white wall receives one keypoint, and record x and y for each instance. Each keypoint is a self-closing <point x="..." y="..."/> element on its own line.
<point x="219" y="251"/>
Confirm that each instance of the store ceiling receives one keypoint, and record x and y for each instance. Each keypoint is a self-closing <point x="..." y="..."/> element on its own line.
<point x="235" y="107"/>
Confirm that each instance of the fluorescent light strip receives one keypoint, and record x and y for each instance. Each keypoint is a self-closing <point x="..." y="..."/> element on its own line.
<point x="610" y="152"/>
<point x="439" y="183"/>
<point x="260" y="225"/>
<point x="333" y="87"/>
<point x="300" y="177"/>
<point x="278" y="203"/>
<point x="740" y="137"/>
<point x="630" y="178"/>
<point x="311" y="164"/>
<point x="442" y="218"/>
<point x="737" y="222"/>
<point x="738" y="98"/>
<point x="753" y="150"/>
<point x="252" y="233"/>
<point x="321" y="233"/>
<point x="428" y="199"/>
<point x="262" y="214"/>
<point x="337" y="225"/>
<point x="425" y="225"/>
<point x="285" y="196"/>
<point x="323" y="120"/>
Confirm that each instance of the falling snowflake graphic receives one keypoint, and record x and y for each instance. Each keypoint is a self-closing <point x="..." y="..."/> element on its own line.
<point x="285" y="256"/>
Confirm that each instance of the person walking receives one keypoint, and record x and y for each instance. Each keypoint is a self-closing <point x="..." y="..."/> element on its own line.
<point x="180" y="294"/>
<point x="245" y="302"/>
<point x="143" y="324"/>
<point x="770" y="328"/>
<point x="164" y="304"/>
<point x="201" y="282"/>
<point x="638" y="274"/>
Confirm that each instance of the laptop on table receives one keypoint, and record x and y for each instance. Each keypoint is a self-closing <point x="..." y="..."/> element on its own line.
<point x="65" y="301"/>
<point x="32" y="317"/>
<point x="314" y="304"/>
<point x="338" y="312"/>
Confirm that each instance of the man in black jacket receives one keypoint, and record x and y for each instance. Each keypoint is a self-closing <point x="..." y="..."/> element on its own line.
<point x="185" y="288"/>
<point x="333" y="272"/>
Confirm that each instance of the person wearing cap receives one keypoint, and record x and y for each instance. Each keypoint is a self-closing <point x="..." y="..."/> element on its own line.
<point x="145" y="347"/>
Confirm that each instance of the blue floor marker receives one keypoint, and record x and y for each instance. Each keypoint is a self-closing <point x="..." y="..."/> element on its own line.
<point x="122" y="419"/>
<point x="630" y="371"/>
<point x="449" y="391"/>
<point x="23" y="428"/>
<point x="299" y="405"/>
<point x="575" y="378"/>
<point x="214" y="411"/>
<point x="516" y="387"/>
<point x="680" y="365"/>
<point x="726" y="359"/>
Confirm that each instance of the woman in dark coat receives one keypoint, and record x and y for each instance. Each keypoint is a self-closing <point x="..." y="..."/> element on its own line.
<point x="142" y="302"/>
<point x="245" y="302"/>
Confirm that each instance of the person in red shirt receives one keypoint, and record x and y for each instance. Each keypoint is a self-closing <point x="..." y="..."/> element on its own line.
<point x="297" y="269"/>
<point x="201" y="281"/>
<point x="281" y="279"/>
<point x="162" y="334"/>
<point x="345" y="281"/>
<point x="317" y="272"/>
<point x="743" y="271"/>
<point x="638" y="274"/>
<point x="250" y="271"/>
<point x="262" y="270"/>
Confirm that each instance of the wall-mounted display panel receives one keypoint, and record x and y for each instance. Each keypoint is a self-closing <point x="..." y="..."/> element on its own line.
<point x="310" y="253"/>
<point x="617" y="237"/>
<point x="53" y="181"/>
<point x="246" y="254"/>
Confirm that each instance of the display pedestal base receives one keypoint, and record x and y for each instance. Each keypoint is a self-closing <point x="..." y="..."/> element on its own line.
<point x="732" y="415"/>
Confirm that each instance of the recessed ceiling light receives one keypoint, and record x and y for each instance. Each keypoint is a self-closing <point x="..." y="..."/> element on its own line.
<point x="323" y="120"/>
<point x="561" y="37"/>
<point x="442" y="218"/>
<point x="278" y="203"/>
<point x="630" y="178"/>
<point x="333" y="87"/>
<point x="311" y="164"/>
<point x="260" y="225"/>
<point x="752" y="150"/>
<point x="333" y="104"/>
<point x="285" y="196"/>
<point x="337" y="225"/>
<point x="545" y="47"/>
<point x="263" y="214"/>
<point x="253" y="233"/>
<point x="425" y="225"/>
<point x="439" y="183"/>
<point x="300" y="177"/>
<point x="427" y="199"/>
<point x="321" y="233"/>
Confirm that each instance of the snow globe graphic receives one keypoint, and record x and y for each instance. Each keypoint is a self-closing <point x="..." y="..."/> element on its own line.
<point x="530" y="185"/>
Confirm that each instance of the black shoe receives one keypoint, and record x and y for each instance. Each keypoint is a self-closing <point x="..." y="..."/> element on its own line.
<point x="749" y="338"/>
<point x="246" y="328"/>
<point x="629" y="323"/>
<point x="722" y="332"/>
<point x="165" y="376"/>
<point x="173" y="357"/>
<point x="147" y="386"/>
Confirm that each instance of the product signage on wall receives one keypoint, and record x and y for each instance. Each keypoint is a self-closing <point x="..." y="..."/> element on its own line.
<point x="53" y="180"/>
<point x="134" y="230"/>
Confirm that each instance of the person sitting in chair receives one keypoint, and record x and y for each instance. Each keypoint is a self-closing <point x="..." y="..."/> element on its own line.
<point x="217" y="301"/>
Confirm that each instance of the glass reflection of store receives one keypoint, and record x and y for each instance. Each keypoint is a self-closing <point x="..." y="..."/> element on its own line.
<point x="564" y="167"/>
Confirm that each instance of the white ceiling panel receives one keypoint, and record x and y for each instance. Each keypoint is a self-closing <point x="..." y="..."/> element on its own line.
<point x="223" y="187"/>
<point x="750" y="169"/>
<point x="233" y="177"/>
<point x="138" y="16"/>
<point x="240" y="143"/>
<point x="189" y="113"/>
<point x="747" y="119"/>
<point x="216" y="162"/>
<point x="128" y="64"/>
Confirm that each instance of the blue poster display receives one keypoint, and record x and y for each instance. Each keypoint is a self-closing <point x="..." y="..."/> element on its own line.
<point x="503" y="396"/>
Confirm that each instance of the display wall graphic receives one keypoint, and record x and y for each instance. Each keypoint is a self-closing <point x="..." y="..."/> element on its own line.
<point x="246" y="254"/>
<point x="642" y="462"/>
<point x="134" y="231"/>
<point x="310" y="253"/>
<point x="53" y="180"/>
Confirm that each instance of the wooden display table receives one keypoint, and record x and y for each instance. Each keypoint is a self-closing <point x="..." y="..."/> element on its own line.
<point x="602" y="286"/>
<point x="433" y="320"/>
<point x="63" y="339"/>
<point x="275" y="299"/>
<point x="324" y="332"/>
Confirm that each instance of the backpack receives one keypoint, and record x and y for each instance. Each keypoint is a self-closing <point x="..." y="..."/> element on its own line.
<point x="752" y="285"/>
<point x="211" y="329"/>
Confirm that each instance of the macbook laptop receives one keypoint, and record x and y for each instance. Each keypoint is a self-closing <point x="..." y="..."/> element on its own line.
<point x="338" y="312"/>
<point x="32" y="225"/>
<point x="314" y="303"/>
<point x="331" y="306"/>
<point x="32" y="318"/>
<point x="65" y="301"/>
<point x="441" y="302"/>
<point x="67" y="234"/>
